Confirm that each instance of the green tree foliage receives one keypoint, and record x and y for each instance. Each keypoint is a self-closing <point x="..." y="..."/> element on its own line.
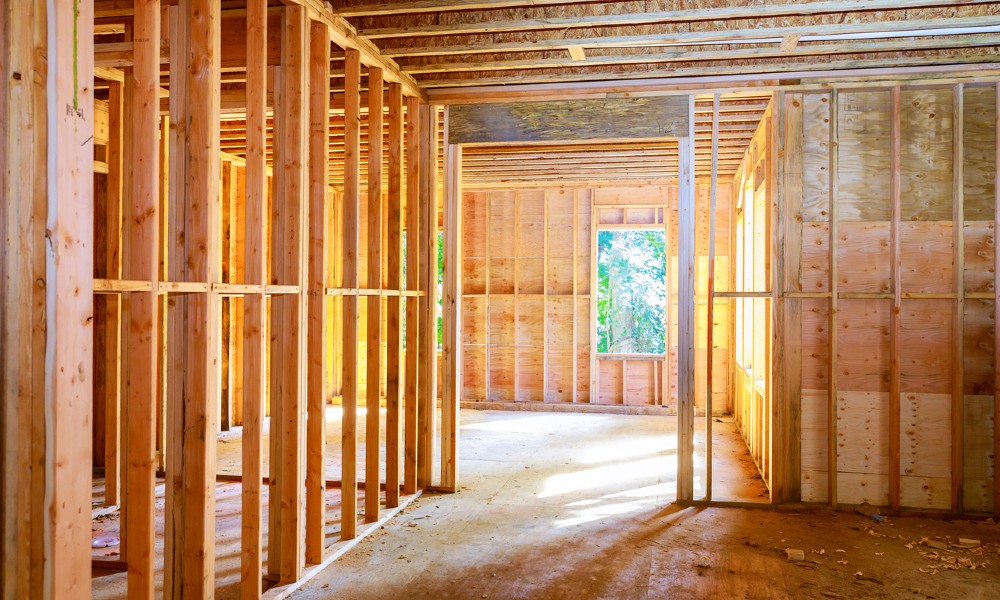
<point x="631" y="292"/>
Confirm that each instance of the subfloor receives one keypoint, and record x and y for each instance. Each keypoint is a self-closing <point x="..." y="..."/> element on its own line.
<point x="580" y="506"/>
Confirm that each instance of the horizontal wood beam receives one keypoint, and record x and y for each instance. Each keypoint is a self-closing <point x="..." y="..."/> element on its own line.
<point x="480" y="23"/>
<point x="692" y="54"/>
<point x="735" y="31"/>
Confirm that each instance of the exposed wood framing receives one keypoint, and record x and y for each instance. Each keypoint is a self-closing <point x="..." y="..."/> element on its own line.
<point x="352" y="243"/>
<point x="142" y="263"/>
<point x="686" y="312"/>
<point x="897" y="300"/>
<point x="958" y="325"/>
<point x="451" y="307"/>
<point x="394" y="367"/>
<point x="374" y="312"/>
<point x="427" y="241"/>
<point x="834" y="284"/>
<point x="413" y="320"/>
<point x="318" y="281"/>
<point x="255" y="305"/>
<point x="194" y="319"/>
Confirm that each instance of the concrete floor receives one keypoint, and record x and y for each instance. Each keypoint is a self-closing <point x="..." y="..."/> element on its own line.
<point x="579" y="506"/>
<point x="598" y="465"/>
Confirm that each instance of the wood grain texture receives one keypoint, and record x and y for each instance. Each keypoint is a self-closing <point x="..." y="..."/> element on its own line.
<point x="317" y="357"/>
<point x="557" y="121"/>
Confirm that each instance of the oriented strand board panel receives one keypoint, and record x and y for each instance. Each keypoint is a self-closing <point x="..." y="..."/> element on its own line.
<point x="566" y="121"/>
<point x="926" y="160"/>
<point x="863" y="345"/>
<point x="864" y="172"/>
<point x="815" y="157"/>
<point x="979" y="152"/>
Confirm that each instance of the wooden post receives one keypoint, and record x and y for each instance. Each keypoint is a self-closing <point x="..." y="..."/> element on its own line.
<point x="318" y="392"/>
<point x="394" y="314"/>
<point x="996" y="317"/>
<point x="958" y="324"/>
<point x="68" y="302"/>
<point x="895" y="272"/>
<point x="254" y="305"/>
<point x="834" y="149"/>
<point x="374" y="329"/>
<point x="194" y="319"/>
<point x="24" y="202"/>
<point x="112" y="303"/>
<point x="142" y="264"/>
<point x="352" y="243"/>
<point x="710" y="307"/>
<point x="290" y="244"/>
<point x="685" y="312"/>
<point x="452" y="311"/>
<point x="777" y="217"/>
<point x="428" y="302"/>
<point x="413" y="161"/>
<point x="789" y="280"/>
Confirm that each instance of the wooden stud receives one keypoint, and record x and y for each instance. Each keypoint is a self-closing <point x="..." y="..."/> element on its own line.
<point x="141" y="317"/>
<point x="595" y="367"/>
<point x="710" y="307"/>
<point x="895" y="269"/>
<point x="255" y="315"/>
<point x="394" y="368"/>
<point x="452" y="312"/>
<point x="69" y="267"/>
<point x="164" y="254"/>
<point x="289" y="313"/>
<point x="24" y="202"/>
<point x="777" y="227"/>
<point x="996" y="317"/>
<point x="112" y="318"/>
<point x="428" y="302"/>
<point x="686" y="313"/>
<point x="194" y="324"/>
<point x="413" y="321"/>
<point x="834" y="149"/>
<point x="958" y="325"/>
<point x="790" y="331"/>
<point x="374" y="329"/>
<point x="318" y="386"/>
<point x="352" y="243"/>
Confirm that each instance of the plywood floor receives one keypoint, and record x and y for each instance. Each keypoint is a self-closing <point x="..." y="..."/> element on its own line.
<point x="579" y="506"/>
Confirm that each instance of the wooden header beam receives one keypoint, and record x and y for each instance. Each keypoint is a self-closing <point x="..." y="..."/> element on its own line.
<point x="569" y="121"/>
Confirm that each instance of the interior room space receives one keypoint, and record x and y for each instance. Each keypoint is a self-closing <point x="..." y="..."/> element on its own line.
<point x="505" y="299"/>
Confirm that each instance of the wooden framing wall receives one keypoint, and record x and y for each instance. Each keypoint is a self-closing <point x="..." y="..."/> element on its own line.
<point x="889" y="221"/>
<point x="221" y="280"/>
<point x="527" y="307"/>
<point x="752" y="384"/>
